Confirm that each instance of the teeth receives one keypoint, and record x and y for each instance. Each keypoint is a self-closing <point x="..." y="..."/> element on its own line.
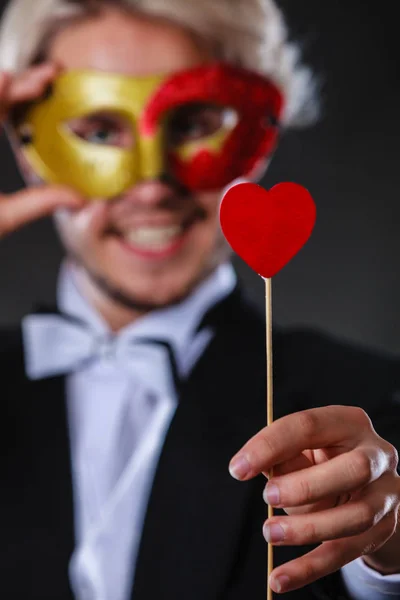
<point x="153" y="237"/>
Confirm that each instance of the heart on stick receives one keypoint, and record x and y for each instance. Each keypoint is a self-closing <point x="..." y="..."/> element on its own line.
<point x="267" y="228"/>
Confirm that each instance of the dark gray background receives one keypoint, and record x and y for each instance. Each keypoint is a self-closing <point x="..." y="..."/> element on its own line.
<point x="346" y="279"/>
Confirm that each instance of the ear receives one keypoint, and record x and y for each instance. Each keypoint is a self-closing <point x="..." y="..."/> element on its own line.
<point x="235" y="182"/>
<point x="253" y="177"/>
<point x="259" y="170"/>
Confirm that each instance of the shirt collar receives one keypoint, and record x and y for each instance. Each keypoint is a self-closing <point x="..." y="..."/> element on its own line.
<point x="176" y="324"/>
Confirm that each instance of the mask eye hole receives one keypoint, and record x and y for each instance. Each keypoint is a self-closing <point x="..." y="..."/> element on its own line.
<point x="103" y="128"/>
<point x="191" y="122"/>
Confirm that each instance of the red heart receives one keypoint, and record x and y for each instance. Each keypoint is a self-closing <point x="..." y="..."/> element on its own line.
<point x="267" y="228"/>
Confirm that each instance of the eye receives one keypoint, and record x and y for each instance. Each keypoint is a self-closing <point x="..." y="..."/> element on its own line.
<point x="192" y="122"/>
<point x="103" y="129"/>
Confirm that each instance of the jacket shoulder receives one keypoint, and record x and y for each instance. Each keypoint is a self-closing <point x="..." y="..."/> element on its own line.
<point x="318" y="356"/>
<point x="316" y="368"/>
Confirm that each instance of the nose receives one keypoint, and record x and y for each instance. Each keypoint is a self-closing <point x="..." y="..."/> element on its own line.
<point x="150" y="192"/>
<point x="147" y="195"/>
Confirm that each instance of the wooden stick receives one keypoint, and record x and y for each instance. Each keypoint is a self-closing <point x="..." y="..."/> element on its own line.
<point x="270" y="415"/>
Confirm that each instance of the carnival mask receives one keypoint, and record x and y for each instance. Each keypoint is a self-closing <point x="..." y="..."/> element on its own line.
<point x="203" y="128"/>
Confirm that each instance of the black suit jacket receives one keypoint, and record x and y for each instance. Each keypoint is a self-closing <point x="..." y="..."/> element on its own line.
<point x="202" y="535"/>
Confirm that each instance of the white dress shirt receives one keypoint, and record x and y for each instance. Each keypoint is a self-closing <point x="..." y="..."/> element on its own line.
<point x="119" y="410"/>
<point x="363" y="583"/>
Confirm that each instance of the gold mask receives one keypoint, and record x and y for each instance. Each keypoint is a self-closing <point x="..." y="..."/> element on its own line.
<point x="59" y="156"/>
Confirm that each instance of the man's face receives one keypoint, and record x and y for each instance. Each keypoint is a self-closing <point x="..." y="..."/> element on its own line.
<point x="156" y="241"/>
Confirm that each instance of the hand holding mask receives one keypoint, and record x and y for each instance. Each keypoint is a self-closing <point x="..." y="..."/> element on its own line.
<point x="19" y="208"/>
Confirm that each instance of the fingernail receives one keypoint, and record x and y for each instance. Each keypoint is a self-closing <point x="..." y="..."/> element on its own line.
<point x="273" y="532"/>
<point x="239" y="467"/>
<point x="271" y="494"/>
<point x="44" y="71"/>
<point x="279" y="584"/>
<point x="72" y="207"/>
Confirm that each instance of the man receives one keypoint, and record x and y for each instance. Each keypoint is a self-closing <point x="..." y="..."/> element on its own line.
<point x="123" y="405"/>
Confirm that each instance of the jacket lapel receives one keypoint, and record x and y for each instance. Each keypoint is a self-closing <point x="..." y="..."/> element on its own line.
<point x="37" y="493"/>
<point x="196" y="514"/>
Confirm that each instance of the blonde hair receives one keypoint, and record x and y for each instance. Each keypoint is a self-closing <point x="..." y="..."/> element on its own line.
<point x="251" y="33"/>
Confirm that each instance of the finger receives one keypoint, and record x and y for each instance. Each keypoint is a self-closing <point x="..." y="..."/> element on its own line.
<point x="93" y="216"/>
<point x="350" y="519"/>
<point x="296" y="464"/>
<point x="21" y="208"/>
<point x="330" y="557"/>
<point x="31" y="84"/>
<point x="5" y="79"/>
<point x="345" y="473"/>
<point x="289" y="436"/>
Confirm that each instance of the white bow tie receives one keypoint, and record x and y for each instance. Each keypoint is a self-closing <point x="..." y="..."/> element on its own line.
<point x="55" y="344"/>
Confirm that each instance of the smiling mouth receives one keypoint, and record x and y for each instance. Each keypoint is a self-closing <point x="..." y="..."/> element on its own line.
<point x="152" y="237"/>
<point x="156" y="240"/>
